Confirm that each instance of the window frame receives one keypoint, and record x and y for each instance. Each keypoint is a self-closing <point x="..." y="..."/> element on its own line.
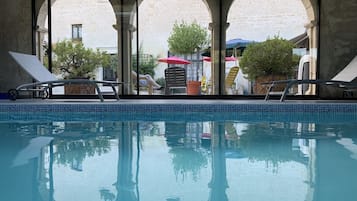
<point x="77" y="30"/>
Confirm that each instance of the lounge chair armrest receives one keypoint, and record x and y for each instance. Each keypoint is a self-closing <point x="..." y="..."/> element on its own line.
<point x="278" y="82"/>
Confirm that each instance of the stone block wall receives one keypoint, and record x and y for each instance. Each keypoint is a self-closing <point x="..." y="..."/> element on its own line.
<point x="338" y="40"/>
<point x="15" y="35"/>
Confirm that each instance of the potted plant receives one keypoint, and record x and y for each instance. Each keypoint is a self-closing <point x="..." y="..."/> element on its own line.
<point x="188" y="39"/>
<point x="266" y="61"/>
<point x="73" y="61"/>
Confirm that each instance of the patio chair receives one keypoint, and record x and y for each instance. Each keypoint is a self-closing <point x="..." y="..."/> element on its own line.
<point x="342" y="80"/>
<point x="231" y="76"/>
<point x="46" y="80"/>
<point x="175" y="132"/>
<point x="175" y="78"/>
<point x="229" y="81"/>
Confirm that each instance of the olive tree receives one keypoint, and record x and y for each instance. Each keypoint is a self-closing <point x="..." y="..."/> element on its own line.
<point x="271" y="57"/>
<point x="73" y="60"/>
<point x="187" y="38"/>
<point x="270" y="60"/>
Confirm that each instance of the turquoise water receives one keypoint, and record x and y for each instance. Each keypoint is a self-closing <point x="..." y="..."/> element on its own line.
<point x="178" y="157"/>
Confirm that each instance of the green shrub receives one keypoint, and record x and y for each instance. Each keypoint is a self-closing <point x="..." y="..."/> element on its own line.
<point x="186" y="38"/>
<point x="271" y="57"/>
<point x="73" y="60"/>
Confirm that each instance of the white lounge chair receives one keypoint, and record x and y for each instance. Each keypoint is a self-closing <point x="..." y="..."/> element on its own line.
<point x="46" y="80"/>
<point x="342" y="80"/>
<point x="146" y="81"/>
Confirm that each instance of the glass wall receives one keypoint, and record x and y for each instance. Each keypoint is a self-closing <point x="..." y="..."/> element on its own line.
<point x="268" y="38"/>
<point x="83" y="43"/>
<point x="172" y="34"/>
<point x="166" y="48"/>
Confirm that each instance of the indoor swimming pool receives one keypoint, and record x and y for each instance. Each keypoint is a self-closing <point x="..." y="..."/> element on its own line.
<point x="182" y="156"/>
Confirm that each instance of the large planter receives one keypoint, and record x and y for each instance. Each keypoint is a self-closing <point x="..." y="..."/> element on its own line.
<point x="193" y="88"/>
<point x="259" y="89"/>
<point x="79" y="89"/>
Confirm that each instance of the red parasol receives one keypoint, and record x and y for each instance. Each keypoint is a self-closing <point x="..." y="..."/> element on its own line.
<point x="174" y="60"/>
<point x="208" y="59"/>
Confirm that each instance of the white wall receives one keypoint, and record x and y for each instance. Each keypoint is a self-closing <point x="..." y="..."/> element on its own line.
<point x="259" y="19"/>
<point x="96" y="17"/>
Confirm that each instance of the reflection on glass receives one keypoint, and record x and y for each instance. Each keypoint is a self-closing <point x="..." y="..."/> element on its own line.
<point x="178" y="160"/>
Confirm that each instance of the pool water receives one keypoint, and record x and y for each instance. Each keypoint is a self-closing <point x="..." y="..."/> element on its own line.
<point x="287" y="158"/>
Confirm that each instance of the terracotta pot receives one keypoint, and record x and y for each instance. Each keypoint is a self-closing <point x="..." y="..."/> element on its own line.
<point x="79" y="89"/>
<point x="259" y="89"/>
<point x="193" y="88"/>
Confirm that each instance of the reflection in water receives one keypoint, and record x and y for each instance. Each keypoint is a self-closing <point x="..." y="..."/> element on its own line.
<point x="74" y="151"/>
<point x="32" y="150"/>
<point x="218" y="183"/>
<point x="125" y="185"/>
<point x="187" y="158"/>
<point x="216" y="161"/>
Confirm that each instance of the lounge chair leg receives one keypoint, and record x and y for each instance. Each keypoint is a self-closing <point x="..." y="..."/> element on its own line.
<point x="268" y="92"/>
<point x="100" y="95"/>
<point x="115" y="92"/>
<point x="283" y="95"/>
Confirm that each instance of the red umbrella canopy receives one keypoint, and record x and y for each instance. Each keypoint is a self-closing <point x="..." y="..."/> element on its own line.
<point x="174" y="60"/>
<point x="227" y="59"/>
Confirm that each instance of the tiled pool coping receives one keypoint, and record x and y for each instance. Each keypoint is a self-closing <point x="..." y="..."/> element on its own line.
<point x="179" y="106"/>
<point x="178" y="110"/>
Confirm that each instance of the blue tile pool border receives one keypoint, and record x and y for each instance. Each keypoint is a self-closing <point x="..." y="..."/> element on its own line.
<point x="176" y="107"/>
<point x="282" y="112"/>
